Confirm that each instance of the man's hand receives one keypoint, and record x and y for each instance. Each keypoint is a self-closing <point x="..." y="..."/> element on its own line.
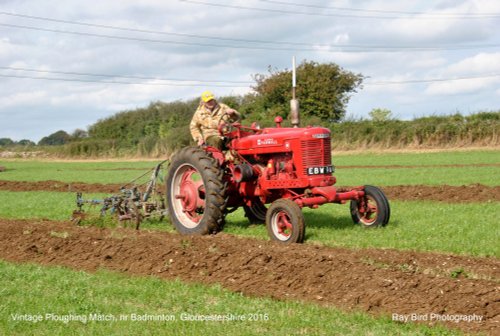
<point x="233" y="115"/>
<point x="231" y="112"/>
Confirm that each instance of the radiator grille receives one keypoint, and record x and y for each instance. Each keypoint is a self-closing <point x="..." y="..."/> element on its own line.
<point x="316" y="153"/>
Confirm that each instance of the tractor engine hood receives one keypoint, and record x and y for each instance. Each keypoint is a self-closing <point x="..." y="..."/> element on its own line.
<point x="273" y="140"/>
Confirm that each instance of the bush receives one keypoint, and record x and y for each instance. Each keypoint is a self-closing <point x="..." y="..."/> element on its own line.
<point x="435" y="131"/>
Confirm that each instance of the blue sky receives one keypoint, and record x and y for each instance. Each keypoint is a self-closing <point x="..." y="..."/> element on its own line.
<point x="451" y="48"/>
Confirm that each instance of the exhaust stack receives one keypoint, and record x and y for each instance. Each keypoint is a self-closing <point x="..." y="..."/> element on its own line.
<point x="294" y="103"/>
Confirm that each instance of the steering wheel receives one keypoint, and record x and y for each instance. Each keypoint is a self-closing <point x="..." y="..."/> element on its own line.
<point x="225" y="124"/>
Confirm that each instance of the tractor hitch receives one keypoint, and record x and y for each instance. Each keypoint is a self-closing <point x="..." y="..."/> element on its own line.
<point x="133" y="203"/>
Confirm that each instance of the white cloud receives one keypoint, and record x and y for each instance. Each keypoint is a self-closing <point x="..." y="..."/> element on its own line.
<point x="471" y="69"/>
<point x="429" y="62"/>
<point x="341" y="38"/>
<point x="463" y="86"/>
<point x="6" y="48"/>
<point x="483" y="63"/>
<point x="22" y="99"/>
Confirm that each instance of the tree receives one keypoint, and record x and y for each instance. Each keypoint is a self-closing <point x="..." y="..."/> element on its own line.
<point x="79" y="134"/>
<point x="323" y="90"/>
<point x="6" y="142"/>
<point x="57" y="138"/>
<point x="380" y="114"/>
<point x="25" y="142"/>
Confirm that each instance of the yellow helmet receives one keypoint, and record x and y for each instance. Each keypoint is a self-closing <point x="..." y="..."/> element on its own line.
<point x="207" y="96"/>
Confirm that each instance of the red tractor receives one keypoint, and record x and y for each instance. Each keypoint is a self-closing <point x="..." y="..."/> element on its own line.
<point x="288" y="168"/>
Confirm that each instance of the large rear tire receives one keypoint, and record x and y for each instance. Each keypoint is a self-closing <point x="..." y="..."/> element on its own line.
<point x="195" y="192"/>
<point x="372" y="210"/>
<point x="285" y="222"/>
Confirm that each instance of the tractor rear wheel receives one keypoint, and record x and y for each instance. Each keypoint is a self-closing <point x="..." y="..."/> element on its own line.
<point x="372" y="210"/>
<point x="195" y="192"/>
<point x="256" y="213"/>
<point x="285" y="222"/>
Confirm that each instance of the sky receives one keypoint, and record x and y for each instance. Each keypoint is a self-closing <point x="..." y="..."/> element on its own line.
<point x="66" y="64"/>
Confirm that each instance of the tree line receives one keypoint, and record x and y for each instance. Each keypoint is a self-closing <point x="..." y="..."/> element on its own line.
<point x="324" y="91"/>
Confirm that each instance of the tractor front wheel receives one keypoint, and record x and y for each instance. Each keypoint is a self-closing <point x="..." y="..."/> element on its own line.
<point x="285" y="222"/>
<point x="372" y="210"/>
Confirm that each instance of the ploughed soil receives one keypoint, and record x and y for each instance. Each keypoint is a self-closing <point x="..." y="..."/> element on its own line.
<point x="380" y="282"/>
<point x="59" y="186"/>
<point x="443" y="193"/>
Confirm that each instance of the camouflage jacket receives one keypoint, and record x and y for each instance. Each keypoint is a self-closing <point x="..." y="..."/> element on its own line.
<point x="205" y="123"/>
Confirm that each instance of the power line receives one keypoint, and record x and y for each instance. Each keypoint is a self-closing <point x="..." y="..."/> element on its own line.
<point x="433" y="80"/>
<point x="116" y="82"/>
<point x="313" y="46"/>
<point x="127" y="38"/>
<point x="150" y="31"/>
<point x="455" y="15"/>
<point x="352" y="48"/>
<point x="381" y="83"/>
<point x="283" y="11"/>
<point x="122" y="76"/>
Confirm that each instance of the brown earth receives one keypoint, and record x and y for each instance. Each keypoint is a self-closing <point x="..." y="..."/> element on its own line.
<point x="380" y="282"/>
<point x="2" y="169"/>
<point x="443" y="193"/>
<point x="58" y="186"/>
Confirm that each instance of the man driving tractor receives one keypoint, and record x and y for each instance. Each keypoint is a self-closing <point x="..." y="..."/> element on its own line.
<point x="205" y="123"/>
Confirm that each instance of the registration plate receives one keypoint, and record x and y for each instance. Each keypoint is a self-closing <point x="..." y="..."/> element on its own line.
<point x="320" y="170"/>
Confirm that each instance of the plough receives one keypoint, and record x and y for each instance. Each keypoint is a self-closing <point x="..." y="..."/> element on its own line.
<point x="132" y="204"/>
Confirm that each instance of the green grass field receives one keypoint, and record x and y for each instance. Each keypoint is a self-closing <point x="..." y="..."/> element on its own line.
<point x="73" y="296"/>
<point x="418" y="159"/>
<point x="89" y="172"/>
<point x="469" y="229"/>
